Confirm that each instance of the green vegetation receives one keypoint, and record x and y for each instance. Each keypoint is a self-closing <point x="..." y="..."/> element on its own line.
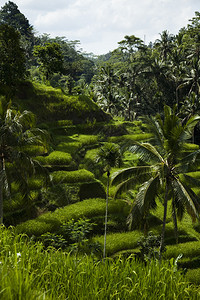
<point x="33" y="273"/>
<point x="76" y="121"/>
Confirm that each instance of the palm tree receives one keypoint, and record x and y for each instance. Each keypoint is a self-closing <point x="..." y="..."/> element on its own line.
<point x="110" y="156"/>
<point x="165" y="44"/>
<point x="165" y="171"/>
<point x="17" y="133"/>
<point x="192" y="78"/>
<point x="106" y="88"/>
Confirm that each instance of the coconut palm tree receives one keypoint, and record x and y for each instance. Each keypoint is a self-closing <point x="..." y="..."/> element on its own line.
<point x="17" y="133"/>
<point x="165" y="171"/>
<point x="165" y="44"/>
<point x="109" y="155"/>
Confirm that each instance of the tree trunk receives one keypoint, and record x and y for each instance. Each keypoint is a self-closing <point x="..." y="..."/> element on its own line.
<point x="1" y="189"/>
<point x="106" y="214"/>
<point x="175" y="221"/>
<point x="164" y="220"/>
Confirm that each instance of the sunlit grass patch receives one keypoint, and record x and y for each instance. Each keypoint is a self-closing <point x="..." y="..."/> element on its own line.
<point x="72" y="176"/>
<point x="34" y="150"/>
<point x="87" y="208"/>
<point x="56" y="158"/>
<point x="119" y="241"/>
<point x="91" y="154"/>
<point x="70" y="148"/>
<point x="86" y="140"/>
<point x="130" y="138"/>
<point x="188" y="250"/>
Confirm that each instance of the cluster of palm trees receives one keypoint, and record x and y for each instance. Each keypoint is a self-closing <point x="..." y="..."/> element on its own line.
<point x="139" y="80"/>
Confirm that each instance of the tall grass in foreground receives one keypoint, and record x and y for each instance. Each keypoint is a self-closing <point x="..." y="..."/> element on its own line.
<point x="28" y="271"/>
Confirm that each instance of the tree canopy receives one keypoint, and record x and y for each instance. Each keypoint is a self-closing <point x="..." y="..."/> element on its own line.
<point x="12" y="58"/>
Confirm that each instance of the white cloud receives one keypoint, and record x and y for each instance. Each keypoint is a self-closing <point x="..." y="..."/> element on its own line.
<point x="101" y="24"/>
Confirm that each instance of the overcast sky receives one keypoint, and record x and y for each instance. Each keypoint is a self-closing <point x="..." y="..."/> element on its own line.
<point x="101" y="24"/>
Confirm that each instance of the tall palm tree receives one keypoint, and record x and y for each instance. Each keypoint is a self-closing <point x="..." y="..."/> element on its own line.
<point x="165" y="44"/>
<point x="165" y="171"/>
<point x="106" y="88"/>
<point x="17" y="132"/>
<point x="110" y="156"/>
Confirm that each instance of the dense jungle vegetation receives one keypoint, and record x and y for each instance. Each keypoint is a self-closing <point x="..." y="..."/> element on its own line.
<point x="99" y="166"/>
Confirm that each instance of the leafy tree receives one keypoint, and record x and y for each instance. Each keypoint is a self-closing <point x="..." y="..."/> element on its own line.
<point x="165" y="172"/>
<point x="50" y="58"/>
<point x="12" y="59"/>
<point x="11" y="15"/>
<point x="75" y="64"/>
<point x="17" y="132"/>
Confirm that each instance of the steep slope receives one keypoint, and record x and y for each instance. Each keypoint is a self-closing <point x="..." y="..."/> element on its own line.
<point x="50" y="104"/>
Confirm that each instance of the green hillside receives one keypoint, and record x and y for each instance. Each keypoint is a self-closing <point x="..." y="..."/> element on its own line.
<point x="50" y="104"/>
<point x="99" y="166"/>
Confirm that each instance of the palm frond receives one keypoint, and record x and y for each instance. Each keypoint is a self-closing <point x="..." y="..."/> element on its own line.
<point x="187" y="197"/>
<point x="137" y="172"/>
<point x="27" y="119"/>
<point x="147" y="152"/>
<point x="124" y="186"/>
<point x="155" y="127"/>
<point x="188" y="162"/>
<point x="135" y="218"/>
<point x="191" y="181"/>
<point x="191" y="123"/>
<point x="145" y="198"/>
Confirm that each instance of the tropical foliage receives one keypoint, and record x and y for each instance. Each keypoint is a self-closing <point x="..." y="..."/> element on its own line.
<point x="165" y="172"/>
<point x="17" y="131"/>
<point x="131" y="115"/>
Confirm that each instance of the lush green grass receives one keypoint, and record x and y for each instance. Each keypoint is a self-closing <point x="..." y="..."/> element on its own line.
<point x="130" y="138"/>
<point x="30" y="272"/>
<point x="69" y="147"/>
<point x="56" y="158"/>
<point x="117" y="242"/>
<point x="52" y="104"/>
<point x="72" y="176"/>
<point x="86" y="140"/>
<point x="89" y="208"/>
<point x="72" y="144"/>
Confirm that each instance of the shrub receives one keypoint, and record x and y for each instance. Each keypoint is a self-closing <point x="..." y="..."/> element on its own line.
<point x="149" y="247"/>
<point x="73" y="236"/>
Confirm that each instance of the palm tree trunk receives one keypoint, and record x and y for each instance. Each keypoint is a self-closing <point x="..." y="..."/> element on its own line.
<point x="1" y="190"/>
<point x="106" y="214"/>
<point x="177" y="98"/>
<point x="175" y="221"/>
<point x="164" y="220"/>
